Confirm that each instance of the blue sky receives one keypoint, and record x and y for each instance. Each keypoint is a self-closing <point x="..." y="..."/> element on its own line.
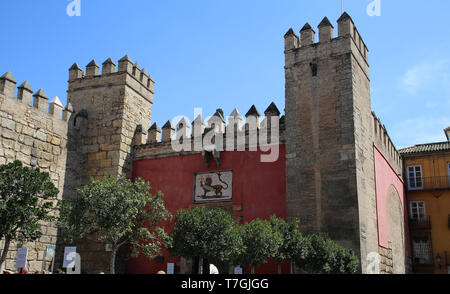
<point x="213" y="53"/>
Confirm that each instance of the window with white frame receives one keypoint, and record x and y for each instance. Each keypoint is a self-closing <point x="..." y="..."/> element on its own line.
<point x="415" y="177"/>
<point x="417" y="210"/>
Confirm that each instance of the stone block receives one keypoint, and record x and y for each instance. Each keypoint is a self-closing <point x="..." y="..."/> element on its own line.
<point x="27" y="131"/>
<point x="92" y="148"/>
<point x="117" y="124"/>
<point x="56" y="141"/>
<point x="40" y="135"/>
<point x="8" y="134"/>
<point x="43" y="163"/>
<point x="25" y="149"/>
<point x="8" y="124"/>
<point x="101" y="155"/>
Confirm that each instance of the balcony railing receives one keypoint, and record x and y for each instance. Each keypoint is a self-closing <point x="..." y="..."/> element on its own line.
<point x="420" y="224"/>
<point x="429" y="183"/>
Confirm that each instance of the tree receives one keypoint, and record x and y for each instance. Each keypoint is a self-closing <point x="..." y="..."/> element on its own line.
<point x="321" y="255"/>
<point x="292" y="239"/>
<point x="27" y="198"/>
<point x="261" y="242"/>
<point x="118" y="211"/>
<point x="210" y="234"/>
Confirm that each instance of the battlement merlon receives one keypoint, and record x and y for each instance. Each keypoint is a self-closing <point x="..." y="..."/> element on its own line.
<point x="304" y="48"/>
<point x="383" y="141"/>
<point x="128" y="74"/>
<point x="250" y="135"/>
<point x="241" y="141"/>
<point x="26" y="101"/>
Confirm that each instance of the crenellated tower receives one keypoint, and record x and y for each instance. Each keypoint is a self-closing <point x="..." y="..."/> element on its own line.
<point x="115" y="106"/>
<point x="329" y="135"/>
<point x="116" y="103"/>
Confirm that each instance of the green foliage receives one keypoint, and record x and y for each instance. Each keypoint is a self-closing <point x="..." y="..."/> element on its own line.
<point x="211" y="234"/>
<point x="117" y="211"/>
<point x="320" y="255"/>
<point x="206" y="233"/>
<point x="291" y="236"/>
<point x="261" y="242"/>
<point x="27" y="198"/>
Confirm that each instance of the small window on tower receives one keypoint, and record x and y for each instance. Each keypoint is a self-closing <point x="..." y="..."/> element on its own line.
<point x="314" y="69"/>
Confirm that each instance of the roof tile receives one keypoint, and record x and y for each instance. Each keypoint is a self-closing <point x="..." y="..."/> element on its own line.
<point x="426" y="148"/>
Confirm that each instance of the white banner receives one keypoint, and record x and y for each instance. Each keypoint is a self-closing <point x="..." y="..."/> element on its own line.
<point x="21" y="259"/>
<point x="170" y="268"/>
<point x="70" y="254"/>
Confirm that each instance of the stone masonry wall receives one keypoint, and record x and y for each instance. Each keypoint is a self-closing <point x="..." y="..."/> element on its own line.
<point x="364" y="156"/>
<point x="38" y="139"/>
<point x="321" y="163"/>
<point x="330" y="134"/>
<point x="116" y="103"/>
<point x="386" y="263"/>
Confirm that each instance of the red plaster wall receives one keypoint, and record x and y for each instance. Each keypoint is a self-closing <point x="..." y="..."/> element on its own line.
<point x="385" y="176"/>
<point x="259" y="187"/>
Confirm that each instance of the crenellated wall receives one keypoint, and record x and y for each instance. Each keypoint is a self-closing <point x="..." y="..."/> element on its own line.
<point x="382" y="140"/>
<point x="198" y="136"/>
<point x="93" y="136"/>
<point x="38" y="138"/>
<point x="116" y="103"/>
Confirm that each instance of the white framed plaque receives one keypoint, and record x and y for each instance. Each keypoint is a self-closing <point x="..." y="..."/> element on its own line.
<point x="171" y="268"/>
<point x="70" y="254"/>
<point x="21" y="259"/>
<point x="214" y="186"/>
<point x="50" y="252"/>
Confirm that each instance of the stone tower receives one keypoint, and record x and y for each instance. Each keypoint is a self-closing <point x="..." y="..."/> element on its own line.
<point x="115" y="103"/>
<point x="113" y="107"/>
<point x="329" y="144"/>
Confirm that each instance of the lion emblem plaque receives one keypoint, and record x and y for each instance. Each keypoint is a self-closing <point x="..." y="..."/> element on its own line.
<point x="213" y="186"/>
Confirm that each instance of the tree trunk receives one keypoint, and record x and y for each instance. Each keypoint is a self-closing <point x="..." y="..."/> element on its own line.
<point x="115" y="248"/>
<point x="195" y="264"/>
<point x="279" y="268"/>
<point x="205" y="267"/>
<point x="253" y="270"/>
<point x="4" y="252"/>
<point x="112" y="265"/>
<point x="292" y="267"/>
